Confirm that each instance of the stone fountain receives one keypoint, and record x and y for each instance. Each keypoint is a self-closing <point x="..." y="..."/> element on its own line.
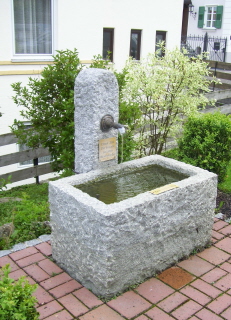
<point x="108" y="247"/>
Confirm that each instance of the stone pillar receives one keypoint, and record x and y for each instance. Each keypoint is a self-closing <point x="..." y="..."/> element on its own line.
<point x="96" y="95"/>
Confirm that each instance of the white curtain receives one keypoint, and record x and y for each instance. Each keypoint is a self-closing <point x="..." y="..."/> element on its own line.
<point x="33" y="26"/>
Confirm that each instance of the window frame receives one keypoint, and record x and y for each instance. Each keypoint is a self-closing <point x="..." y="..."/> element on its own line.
<point x="139" y="33"/>
<point x="203" y="17"/>
<point x="212" y="21"/>
<point x="111" y="46"/>
<point x="164" y="34"/>
<point x="22" y="57"/>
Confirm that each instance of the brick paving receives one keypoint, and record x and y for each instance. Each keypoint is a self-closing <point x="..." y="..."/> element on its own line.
<point x="198" y="288"/>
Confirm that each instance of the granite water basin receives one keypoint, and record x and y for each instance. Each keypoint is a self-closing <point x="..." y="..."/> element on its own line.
<point x="108" y="247"/>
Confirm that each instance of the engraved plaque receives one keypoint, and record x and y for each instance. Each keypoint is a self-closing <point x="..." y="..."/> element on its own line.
<point x="164" y="188"/>
<point x="107" y="149"/>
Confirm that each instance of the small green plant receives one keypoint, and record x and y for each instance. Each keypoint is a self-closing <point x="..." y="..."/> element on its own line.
<point x="206" y="142"/>
<point x="16" y="300"/>
<point x="4" y="182"/>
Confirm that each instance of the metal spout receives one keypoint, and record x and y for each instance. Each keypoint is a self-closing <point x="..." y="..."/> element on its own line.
<point x="107" y="122"/>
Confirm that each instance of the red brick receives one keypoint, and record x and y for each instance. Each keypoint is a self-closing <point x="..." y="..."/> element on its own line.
<point x="101" y="313"/>
<point x="7" y="260"/>
<point x="142" y="317"/>
<point x="224" y="283"/>
<point x="219" y="225"/>
<point x="36" y="273"/>
<point x="87" y="297"/>
<point x="186" y="310"/>
<point x="214" y="255"/>
<point x="196" y="265"/>
<point x="73" y="305"/>
<point x="49" y="309"/>
<point x="213" y="275"/>
<point x="196" y="295"/>
<point x="42" y="296"/>
<point x="225" y="245"/>
<point x="226" y="266"/>
<point x="50" y="267"/>
<point x="55" y="281"/>
<point x="44" y="248"/>
<point x="227" y="314"/>
<point x="226" y="231"/>
<point x="217" y="235"/>
<point x="154" y="290"/>
<point x="30" y="259"/>
<point x="206" y="288"/>
<point x="129" y="304"/>
<point x="156" y="313"/>
<point x="23" y="253"/>
<point x="65" y="288"/>
<point x="17" y="274"/>
<point x="173" y="301"/>
<point x="63" y="315"/>
<point x="220" y="304"/>
<point x="175" y="277"/>
<point x="205" y="314"/>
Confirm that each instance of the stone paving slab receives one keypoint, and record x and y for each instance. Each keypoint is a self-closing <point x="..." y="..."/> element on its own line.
<point x="198" y="287"/>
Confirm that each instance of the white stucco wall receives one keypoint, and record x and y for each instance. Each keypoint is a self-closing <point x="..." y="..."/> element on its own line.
<point x="79" y="24"/>
<point x="85" y="31"/>
<point x="225" y="30"/>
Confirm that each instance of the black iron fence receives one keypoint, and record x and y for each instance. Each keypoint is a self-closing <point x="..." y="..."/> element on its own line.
<point x="214" y="46"/>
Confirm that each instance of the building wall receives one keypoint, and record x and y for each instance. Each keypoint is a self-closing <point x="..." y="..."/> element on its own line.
<point x="223" y="32"/>
<point x="79" y="24"/>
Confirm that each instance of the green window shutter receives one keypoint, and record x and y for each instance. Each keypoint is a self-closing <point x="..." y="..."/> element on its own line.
<point x="219" y="17"/>
<point x="201" y="17"/>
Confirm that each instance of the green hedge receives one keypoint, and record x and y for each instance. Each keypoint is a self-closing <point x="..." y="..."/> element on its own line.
<point x="206" y="142"/>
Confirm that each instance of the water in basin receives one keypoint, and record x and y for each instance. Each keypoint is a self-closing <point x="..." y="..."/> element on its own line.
<point x="122" y="186"/>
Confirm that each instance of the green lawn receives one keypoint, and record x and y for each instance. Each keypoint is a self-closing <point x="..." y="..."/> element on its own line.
<point x="27" y="215"/>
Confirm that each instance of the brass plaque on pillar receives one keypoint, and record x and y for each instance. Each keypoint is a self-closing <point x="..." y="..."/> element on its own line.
<point x="107" y="149"/>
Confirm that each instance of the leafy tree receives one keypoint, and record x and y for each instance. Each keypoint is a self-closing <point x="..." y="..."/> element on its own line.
<point x="166" y="89"/>
<point x="48" y="104"/>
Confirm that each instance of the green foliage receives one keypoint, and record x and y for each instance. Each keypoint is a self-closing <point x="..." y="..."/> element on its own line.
<point x="100" y="63"/>
<point x="16" y="300"/>
<point x="225" y="185"/>
<point x="48" y="104"/>
<point x="166" y="89"/>
<point x="4" y="182"/>
<point x="206" y="142"/>
<point x="29" y="216"/>
<point x="128" y="116"/>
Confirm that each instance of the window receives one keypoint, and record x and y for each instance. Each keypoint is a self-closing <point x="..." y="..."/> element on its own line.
<point x="160" y="37"/>
<point x="33" y="26"/>
<point x="135" y="44"/>
<point x="210" y="17"/>
<point x="108" y="39"/>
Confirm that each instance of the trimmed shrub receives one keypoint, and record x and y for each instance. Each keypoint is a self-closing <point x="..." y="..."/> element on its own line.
<point x="206" y="142"/>
<point x="16" y="300"/>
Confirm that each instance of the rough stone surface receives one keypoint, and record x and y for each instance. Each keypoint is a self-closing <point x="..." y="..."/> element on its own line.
<point x="109" y="247"/>
<point x="6" y="230"/>
<point x="96" y="95"/>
